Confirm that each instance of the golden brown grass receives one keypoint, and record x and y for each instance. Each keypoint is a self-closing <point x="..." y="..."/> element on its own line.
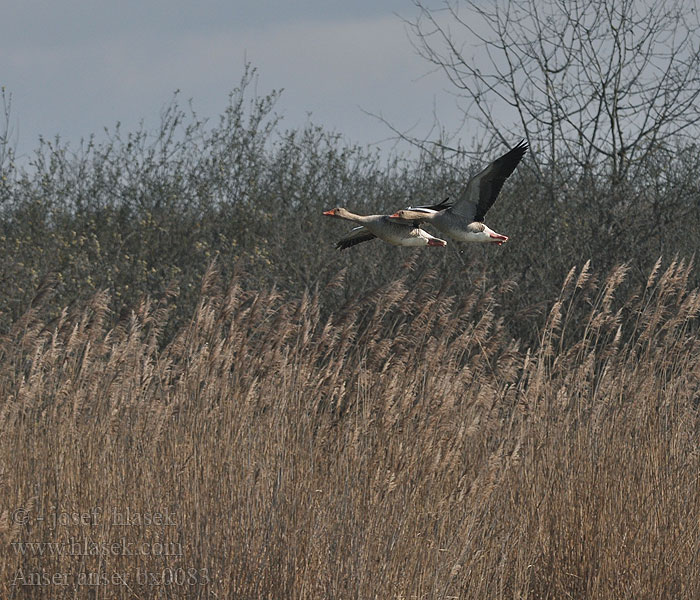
<point x="405" y="447"/>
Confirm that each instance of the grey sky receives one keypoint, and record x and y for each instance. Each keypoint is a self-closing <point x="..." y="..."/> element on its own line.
<point x="76" y="66"/>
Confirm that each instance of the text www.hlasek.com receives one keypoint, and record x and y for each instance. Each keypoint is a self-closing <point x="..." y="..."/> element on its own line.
<point x="88" y="547"/>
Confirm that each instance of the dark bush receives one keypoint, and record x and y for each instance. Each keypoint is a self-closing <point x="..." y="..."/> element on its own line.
<point x="145" y="213"/>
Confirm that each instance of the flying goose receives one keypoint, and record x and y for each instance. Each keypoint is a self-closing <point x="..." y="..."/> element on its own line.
<point x="464" y="220"/>
<point x="398" y="233"/>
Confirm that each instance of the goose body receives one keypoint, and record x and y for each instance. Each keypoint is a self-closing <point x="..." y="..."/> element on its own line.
<point x="464" y="220"/>
<point x="397" y="232"/>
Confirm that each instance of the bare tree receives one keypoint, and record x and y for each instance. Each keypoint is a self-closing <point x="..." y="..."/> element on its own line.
<point x="5" y="129"/>
<point x="6" y="146"/>
<point x="601" y="84"/>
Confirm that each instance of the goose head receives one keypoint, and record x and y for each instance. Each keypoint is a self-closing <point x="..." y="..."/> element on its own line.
<point x="339" y="213"/>
<point x="490" y="236"/>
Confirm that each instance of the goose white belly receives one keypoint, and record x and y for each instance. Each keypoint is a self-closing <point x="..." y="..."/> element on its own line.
<point x="399" y="234"/>
<point x="458" y="230"/>
<point x="463" y="235"/>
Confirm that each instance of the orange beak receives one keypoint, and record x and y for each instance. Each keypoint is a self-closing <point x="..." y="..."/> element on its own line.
<point x="395" y="215"/>
<point x="498" y="238"/>
<point x="329" y="213"/>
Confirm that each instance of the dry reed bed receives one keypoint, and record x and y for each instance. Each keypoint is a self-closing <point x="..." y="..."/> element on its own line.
<point x="402" y="448"/>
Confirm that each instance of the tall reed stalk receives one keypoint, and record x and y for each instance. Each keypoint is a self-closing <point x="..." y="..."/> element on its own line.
<point x="402" y="447"/>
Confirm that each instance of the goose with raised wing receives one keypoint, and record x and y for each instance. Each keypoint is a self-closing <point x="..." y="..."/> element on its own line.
<point x="397" y="232"/>
<point x="464" y="220"/>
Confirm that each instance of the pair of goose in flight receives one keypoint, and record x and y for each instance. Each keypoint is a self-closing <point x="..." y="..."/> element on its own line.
<point x="462" y="221"/>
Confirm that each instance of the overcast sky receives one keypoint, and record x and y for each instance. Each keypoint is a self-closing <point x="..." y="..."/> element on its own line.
<point x="76" y="66"/>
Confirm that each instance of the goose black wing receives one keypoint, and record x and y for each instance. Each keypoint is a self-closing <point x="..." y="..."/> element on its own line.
<point x="357" y="236"/>
<point x="483" y="189"/>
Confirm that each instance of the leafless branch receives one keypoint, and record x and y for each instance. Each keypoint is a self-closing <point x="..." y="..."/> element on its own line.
<point x="598" y="82"/>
